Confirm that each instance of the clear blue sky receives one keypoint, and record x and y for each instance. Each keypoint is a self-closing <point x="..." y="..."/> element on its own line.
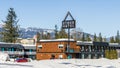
<point x="93" y="16"/>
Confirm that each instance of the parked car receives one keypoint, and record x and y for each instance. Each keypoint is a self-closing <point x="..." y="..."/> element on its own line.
<point x="21" y="60"/>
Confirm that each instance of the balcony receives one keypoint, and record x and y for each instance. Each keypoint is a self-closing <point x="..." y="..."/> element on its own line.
<point x="30" y="53"/>
<point x="73" y="50"/>
<point x="18" y="53"/>
<point x="13" y="52"/>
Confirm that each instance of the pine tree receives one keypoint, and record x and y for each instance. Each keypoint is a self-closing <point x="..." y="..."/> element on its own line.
<point x="88" y="37"/>
<point x="44" y="36"/>
<point x="83" y="37"/>
<point x="95" y="38"/>
<point x="38" y="36"/>
<point x="62" y="33"/>
<point x="100" y="38"/>
<point x="112" y="40"/>
<point x="56" y="32"/>
<point x="10" y="30"/>
<point x="48" y="36"/>
<point x="104" y="39"/>
<point x="117" y="38"/>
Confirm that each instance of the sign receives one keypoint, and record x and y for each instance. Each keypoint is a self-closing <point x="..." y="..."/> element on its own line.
<point x="66" y="24"/>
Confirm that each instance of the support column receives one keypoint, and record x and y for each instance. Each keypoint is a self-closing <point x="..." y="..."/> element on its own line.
<point x="82" y="48"/>
<point x="95" y="55"/>
<point x="89" y="56"/>
<point x="102" y="56"/>
<point x="90" y="48"/>
<point x="102" y="48"/>
<point x="82" y="56"/>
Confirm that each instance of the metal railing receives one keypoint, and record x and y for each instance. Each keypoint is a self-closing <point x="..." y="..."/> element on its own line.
<point x="13" y="52"/>
<point x="18" y="52"/>
<point x="30" y="53"/>
<point x="73" y="50"/>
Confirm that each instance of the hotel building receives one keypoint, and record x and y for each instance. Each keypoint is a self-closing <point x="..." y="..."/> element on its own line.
<point x="58" y="49"/>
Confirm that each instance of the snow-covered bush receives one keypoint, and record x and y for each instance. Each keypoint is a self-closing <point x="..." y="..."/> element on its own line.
<point x="4" y="56"/>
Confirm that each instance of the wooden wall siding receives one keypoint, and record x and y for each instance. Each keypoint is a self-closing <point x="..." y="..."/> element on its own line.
<point x="43" y="56"/>
<point x="53" y="46"/>
<point x="49" y="48"/>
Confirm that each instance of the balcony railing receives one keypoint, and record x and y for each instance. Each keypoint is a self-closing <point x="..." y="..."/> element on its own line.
<point x="76" y="50"/>
<point x="30" y="53"/>
<point x="13" y="52"/>
<point x="18" y="53"/>
<point x="73" y="50"/>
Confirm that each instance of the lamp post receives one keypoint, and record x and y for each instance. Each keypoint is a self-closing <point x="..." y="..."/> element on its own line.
<point x="68" y="24"/>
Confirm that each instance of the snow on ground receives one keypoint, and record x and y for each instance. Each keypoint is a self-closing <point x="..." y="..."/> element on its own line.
<point x="64" y="63"/>
<point x="4" y="56"/>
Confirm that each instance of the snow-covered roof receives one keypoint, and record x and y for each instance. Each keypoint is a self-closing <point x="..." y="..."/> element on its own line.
<point x="114" y="44"/>
<point x="84" y="42"/>
<point x="51" y="40"/>
<point x="27" y="46"/>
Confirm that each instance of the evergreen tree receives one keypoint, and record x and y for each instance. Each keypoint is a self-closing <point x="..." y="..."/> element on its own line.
<point x="83" y="37"/>
<point x="100" y="38"/>
<point x="62" y="33"/>
<point x="56" y="32"/>
<point x="117" y="38"/>
<point x="44" y="36"/>
<point x="88" y="37"/>
<point x="38" y="36"/>
<point x="104" y="39"/>
<point x="48" y="36"/>
<point x="73" y="36"/>
<point x="112" y="40"/>
<point x="95" y="38"/>
<point x="10" y="30"/>
<point x="78" y="36"/>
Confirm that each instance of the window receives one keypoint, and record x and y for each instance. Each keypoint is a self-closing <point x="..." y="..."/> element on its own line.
<point x="60" y="46"/>
<point x="40" y="46"/>
<point x="60" y="56"/>
<point x="2" y="49"/>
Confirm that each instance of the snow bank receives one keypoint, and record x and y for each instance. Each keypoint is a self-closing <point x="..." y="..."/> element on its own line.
<point x="4" y="56"/>
<point x="77" y="63"/>
<point x="65" y="63"/>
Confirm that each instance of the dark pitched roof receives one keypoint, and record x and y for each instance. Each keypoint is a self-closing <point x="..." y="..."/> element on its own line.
<point x="11" y="45"/>
<point x="100" y="43"/>
<point x="92" y="43"/>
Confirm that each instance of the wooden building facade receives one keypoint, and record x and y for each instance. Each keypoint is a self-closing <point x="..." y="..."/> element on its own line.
<point x="59" y="49"/>
<point x="56" y="49"/>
